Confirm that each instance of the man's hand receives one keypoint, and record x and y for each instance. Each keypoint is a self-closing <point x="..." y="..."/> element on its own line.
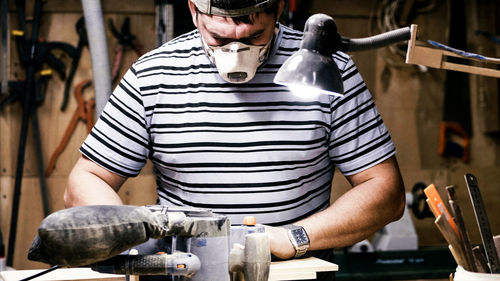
<point x="281" y="246"/>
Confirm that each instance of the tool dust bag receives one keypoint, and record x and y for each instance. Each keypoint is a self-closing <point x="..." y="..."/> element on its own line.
<point x="83" y="235"/>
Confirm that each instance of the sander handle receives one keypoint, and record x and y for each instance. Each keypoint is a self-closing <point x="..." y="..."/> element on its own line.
<point x="176" y="264"/>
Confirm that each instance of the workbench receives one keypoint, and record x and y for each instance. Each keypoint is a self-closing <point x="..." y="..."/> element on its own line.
<point x="297" y="269"/>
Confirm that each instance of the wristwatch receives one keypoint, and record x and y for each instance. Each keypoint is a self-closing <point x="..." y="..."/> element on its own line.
<point x="298" y="237"/>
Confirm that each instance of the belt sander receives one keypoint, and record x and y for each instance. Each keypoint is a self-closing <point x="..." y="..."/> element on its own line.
<point x="207" y="247"/>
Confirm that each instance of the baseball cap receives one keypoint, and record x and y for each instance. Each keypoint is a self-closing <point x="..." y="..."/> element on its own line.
<point x="237" y="9"/>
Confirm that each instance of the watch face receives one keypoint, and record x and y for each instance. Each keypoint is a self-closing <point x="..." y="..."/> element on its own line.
<point x="300" y="236"/>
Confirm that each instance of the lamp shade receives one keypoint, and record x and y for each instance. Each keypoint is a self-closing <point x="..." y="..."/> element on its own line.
<point x="312" y="68"/>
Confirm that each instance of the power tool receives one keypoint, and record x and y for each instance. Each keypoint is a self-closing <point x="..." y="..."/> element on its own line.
<point x="206" y="246"/>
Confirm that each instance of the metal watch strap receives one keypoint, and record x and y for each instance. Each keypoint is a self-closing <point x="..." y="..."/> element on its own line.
<point x="300" y="250"/>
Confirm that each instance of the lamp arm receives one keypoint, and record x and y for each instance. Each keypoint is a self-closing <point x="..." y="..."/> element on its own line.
<point x="376" y="41"/>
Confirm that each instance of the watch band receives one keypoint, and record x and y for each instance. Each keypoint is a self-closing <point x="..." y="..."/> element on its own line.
<point x="299" y="238"/>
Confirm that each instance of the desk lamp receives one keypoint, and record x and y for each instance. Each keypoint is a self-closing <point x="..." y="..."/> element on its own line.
<point x="312" y="70"/>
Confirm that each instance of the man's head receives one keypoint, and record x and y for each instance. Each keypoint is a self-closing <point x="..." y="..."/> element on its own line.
<point x="222" y="22"/>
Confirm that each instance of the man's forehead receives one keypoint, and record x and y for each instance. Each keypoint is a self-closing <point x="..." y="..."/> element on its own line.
<point x="234" y="8"/>
<point x="248" y="35"/>
<point x="224" y="27"/>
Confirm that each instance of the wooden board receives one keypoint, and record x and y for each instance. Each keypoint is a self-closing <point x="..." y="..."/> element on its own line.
<point x="61" y="274"/>
<point x="297" y="269"/>
<point x="435" y="58"/>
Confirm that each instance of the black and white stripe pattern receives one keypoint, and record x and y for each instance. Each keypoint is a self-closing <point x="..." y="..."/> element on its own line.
<point x="247" y="149"/>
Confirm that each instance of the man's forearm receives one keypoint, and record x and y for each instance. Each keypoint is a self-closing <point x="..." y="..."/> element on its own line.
<point x="376" y="199"/>
<point x="352" y="218"/>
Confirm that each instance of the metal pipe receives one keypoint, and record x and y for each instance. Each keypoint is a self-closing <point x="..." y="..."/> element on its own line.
<point x="96" y="33"/>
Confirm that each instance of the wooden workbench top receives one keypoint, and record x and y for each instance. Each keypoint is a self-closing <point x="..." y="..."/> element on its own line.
<point x="298" y="269"/>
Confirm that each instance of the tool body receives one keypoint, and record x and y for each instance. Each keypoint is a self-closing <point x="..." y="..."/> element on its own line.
<point x="98" y="236"/>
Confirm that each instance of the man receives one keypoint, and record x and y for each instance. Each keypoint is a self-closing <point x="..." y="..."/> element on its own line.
<point x="221" y="135"/>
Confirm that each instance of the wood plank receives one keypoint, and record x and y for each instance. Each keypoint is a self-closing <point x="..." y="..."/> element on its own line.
<point x="62" y="274"/>
<point x="435" y="58"/>
<point x="292" y="276"/>
<point x="299" y="269"/>
<point x="295" y="269"/>
<point x="471" y="69"/>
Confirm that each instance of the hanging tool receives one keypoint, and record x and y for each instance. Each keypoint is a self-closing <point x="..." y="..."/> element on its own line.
<point x="82" y="42"/>
<point x="84" y="112"/>
<point x="126" y="40"/>
<point x="32" y="86"/>
<point x="483" y="223"/>
<point x="44" y="53"/>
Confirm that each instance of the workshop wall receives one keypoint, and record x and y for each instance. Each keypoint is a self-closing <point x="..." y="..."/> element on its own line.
<point x="58" y="24"/>
<point x="409" y="98"/>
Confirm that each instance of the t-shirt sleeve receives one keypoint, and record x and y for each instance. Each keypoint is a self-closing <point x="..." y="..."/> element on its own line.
<point x="119" y="141"/>
<point x="359" y="138"/>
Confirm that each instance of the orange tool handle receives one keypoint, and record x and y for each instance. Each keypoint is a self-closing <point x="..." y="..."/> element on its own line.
<point x="438" y="208"/>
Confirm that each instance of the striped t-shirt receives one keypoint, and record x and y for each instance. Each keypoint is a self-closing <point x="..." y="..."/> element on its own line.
<point x="238" y="149"/>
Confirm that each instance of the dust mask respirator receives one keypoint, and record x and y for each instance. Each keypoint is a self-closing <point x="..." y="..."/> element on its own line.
<point x="237" y="62"/>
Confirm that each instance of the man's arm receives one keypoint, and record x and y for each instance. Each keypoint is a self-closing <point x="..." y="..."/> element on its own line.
<point x="91" y="184"/>
<point x="377" y="198"/>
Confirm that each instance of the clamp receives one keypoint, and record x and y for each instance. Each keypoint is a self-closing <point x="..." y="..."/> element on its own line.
<point x="125" y="40"/>
<point x="84" y="112"/>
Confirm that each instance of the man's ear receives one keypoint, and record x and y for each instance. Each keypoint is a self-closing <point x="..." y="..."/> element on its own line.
<point x="192" y="9"/>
